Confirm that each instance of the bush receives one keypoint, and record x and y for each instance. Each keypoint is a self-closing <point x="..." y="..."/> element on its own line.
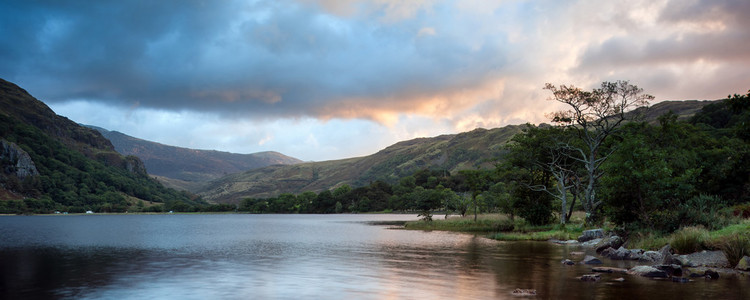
<point x="703" y="210"/>
<point x="689" y="239"/>
<point x="735" y="247"/>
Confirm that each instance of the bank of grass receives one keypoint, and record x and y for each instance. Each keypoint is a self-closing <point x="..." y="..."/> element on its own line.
<point x="501" y="227"/>
<point x="733" y="239"/>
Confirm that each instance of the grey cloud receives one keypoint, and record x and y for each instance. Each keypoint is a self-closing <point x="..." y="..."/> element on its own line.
<point x="264" y="58"/>
<point x="723" y="45"/>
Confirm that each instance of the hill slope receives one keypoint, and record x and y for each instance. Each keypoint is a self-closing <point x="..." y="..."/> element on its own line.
<point x="55" y="164"/>
<point x="449" y="152"/>
<point x="189" y="168"/>
<point x="480" y="147"/>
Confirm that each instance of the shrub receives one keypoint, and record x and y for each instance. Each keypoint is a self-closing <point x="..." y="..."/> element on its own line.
<point x="703" y="210"/>
<point x="735" y="247"/>
<point x="689" y="239"/>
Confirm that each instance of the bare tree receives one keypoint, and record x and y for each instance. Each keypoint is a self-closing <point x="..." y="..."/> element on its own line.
<point x="595" y="116"/>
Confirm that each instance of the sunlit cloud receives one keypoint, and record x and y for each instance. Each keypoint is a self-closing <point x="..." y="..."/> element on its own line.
<point x="335" y="78"/>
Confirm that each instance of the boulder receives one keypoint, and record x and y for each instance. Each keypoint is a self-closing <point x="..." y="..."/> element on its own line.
<point x="666" y="255"/>
<point x="650" y="257"/>
<point x="611" y="241"/>
<point x="635" y="254"/>
<point x="568" y="262"/>
<point x="591" y="243"/>
<point x="590" y="260"/>
<point x="647" y="271"/>
<point x="591" y="234"/>
<point x="744" y="264"/>
<point x="609" y="252"/>
<point x="704" y="258"/>
<point x="711" y="274"/>
<point x="672" y="270"/>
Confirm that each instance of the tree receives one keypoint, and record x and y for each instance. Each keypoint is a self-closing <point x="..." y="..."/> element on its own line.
<point x="595" y="116"/>
<point x="546" y="149"/>
<point x="475" y="182"/>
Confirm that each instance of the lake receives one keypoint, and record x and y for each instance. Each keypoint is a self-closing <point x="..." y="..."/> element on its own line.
<point x="239" y="256"/>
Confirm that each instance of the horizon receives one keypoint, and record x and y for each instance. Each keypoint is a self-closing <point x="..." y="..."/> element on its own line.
<point x="325" y="80"/>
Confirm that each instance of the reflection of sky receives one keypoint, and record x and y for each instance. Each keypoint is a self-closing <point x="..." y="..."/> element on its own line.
<point x="328" y="79"/>
<point x="296" y="257"/>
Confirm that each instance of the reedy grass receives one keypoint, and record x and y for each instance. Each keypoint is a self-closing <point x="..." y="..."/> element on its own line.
<point x="689" y="239"/>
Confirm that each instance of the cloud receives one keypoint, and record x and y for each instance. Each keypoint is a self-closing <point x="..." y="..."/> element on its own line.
<point x="384" y="65"/>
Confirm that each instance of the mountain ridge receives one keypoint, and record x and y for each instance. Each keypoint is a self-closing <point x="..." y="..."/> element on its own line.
<point x="450" y="152"/>
<point x="50" y="163"/>
<point x="187" y="168"/>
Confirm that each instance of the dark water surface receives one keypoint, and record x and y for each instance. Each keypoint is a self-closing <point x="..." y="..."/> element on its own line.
<point x="296" y="257"/>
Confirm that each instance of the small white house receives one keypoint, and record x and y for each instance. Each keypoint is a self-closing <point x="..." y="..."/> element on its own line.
<point x="89" y="212"/>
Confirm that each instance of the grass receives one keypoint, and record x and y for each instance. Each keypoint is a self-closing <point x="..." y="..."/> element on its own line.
<point x="485" y="224"/>
<point x="501" y="227"/>
<point x="689" y="239"/>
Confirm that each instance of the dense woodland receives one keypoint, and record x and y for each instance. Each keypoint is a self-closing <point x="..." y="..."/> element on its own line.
<point x="660" y="175"/>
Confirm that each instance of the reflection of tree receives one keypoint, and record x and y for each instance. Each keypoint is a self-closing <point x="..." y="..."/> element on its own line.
<point x="48" y="273"/>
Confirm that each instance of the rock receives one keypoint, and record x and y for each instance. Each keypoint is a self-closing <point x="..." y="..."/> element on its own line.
<point x="577" y="253"/>
<point x="609" y="252"/>
<point x="591" y="277"/>
<point x="591" y="234"/>
<point x="715" y="259"/>
<point x="620" y="279"/>
<point x="744" y="264"/>
<point x="683" y="261"/>
<point x="20" y="163"/>
<point x="650" y="257"/>
<point x="672" y="270"/>
<point x="621" y="254"/>
<point x="647" y="271"/>
<point x="590" y="260"/>
<point x="568" y="262"/>
<point x="635" y="254"/>
<point x="666" y="255"/>
<point x="680" y="279"/>
<point x="559" y="242"/>
<point x="612" y="241"/>
<point x="609" y="270"/>
<point x="524" y="292"/>
<point x="591" y="243"/>
<point x="711" y="274"/>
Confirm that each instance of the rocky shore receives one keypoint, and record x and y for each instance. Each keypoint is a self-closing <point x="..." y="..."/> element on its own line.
<point x="653" y="264"/>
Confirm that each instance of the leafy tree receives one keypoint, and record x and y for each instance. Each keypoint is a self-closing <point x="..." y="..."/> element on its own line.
<point x="595" y="116"/>
<point x="475" y="181"/>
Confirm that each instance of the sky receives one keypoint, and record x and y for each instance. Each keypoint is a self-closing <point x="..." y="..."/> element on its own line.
<point x="331" y="79"/>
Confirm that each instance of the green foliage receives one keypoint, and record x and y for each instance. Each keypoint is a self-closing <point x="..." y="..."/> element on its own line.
<point x="689" y="239"/>
<point x="735" y="247"/>
<point x="71" y="181"/>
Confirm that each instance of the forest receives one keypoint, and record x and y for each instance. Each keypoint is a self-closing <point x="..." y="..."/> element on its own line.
<point x="597" y="157"/>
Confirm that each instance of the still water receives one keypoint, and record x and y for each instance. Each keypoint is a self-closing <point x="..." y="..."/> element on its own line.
<point x="296" y="257"/>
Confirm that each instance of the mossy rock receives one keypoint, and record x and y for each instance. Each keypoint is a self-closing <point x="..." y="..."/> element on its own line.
<point x="744" y="264"/>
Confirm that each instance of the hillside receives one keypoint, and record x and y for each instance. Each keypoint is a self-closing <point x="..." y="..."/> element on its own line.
<point x="477" y="148"/>
<point x="49" y="163"/>
<point x="188" y="169"/>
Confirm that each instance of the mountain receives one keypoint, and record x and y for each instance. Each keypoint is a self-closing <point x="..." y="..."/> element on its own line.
<point x="49" y="162"/>
<point x="477" y="148"/>
<point x="188" y="169"/>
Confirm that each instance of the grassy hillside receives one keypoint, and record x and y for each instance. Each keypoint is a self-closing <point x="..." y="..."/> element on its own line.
<point x="468" y="150"/>
<point x="188" y="169"/>
<point x="51" y="163"/>
<point x="477" y="148"/>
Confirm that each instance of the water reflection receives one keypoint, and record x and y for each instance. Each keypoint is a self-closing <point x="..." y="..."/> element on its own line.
<point x="290" y="257"/>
